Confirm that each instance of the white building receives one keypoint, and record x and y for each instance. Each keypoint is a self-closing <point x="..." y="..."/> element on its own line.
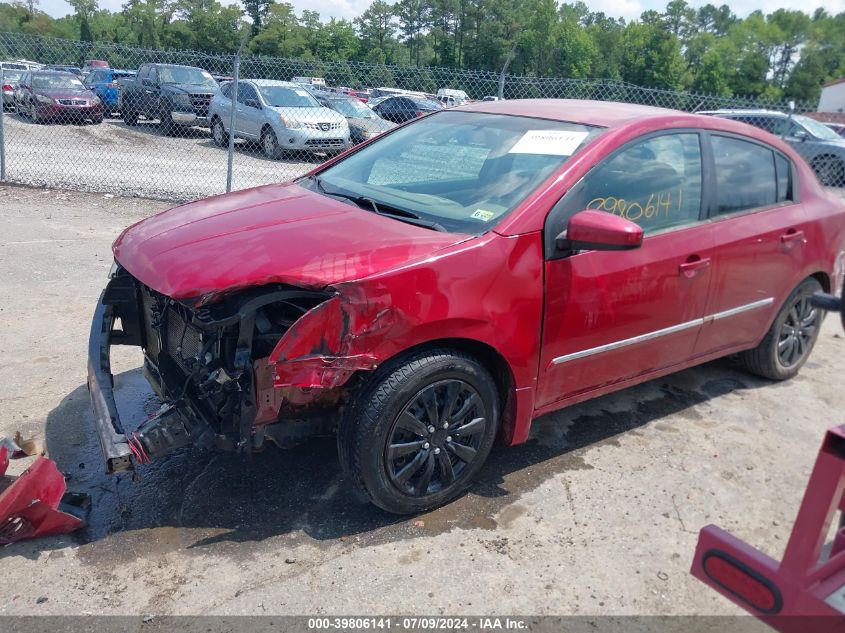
<point x="833" y="96"/>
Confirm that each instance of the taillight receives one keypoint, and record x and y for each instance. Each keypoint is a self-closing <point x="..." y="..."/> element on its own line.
<point x="743" y="582"/>
<point x="419" y="113"/>
<point x="7" y="88"/>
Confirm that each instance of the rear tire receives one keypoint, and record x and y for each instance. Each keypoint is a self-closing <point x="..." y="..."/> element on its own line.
<point x="218" y="133"/>
<point x="97" y="120"/>
<point x="269" y="143"/>
<point x="130" y="118"/>
<point x="420" y="430"/>
<point x="790" y="339"/>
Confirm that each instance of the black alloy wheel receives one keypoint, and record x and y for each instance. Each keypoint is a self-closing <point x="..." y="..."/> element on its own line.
<point x="435" y="438"/>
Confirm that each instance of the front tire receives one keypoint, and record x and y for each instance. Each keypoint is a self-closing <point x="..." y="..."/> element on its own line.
<point x="790" y="339"/>
<point x="269" y="143"/>
<point x="420" y="430"/>
<point x="130" y="118"/>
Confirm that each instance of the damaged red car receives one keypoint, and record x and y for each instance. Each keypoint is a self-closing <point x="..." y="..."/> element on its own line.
<point x="443" y="285"/>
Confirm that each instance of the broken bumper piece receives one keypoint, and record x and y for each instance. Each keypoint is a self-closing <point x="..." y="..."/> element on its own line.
<point x="113" y="441"/>
<point x="36" y="504"/>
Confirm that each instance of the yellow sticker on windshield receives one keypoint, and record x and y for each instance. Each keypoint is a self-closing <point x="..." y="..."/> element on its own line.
<point x="481" y="214"/>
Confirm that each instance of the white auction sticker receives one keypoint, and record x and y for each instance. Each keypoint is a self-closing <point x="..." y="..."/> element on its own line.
<point x="550" y="142"/>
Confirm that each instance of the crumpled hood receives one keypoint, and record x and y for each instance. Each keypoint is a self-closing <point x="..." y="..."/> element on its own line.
<point x="270" y="234"/>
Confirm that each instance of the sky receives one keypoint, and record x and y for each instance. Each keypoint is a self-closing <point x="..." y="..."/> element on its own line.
<point x="627" y="9"/>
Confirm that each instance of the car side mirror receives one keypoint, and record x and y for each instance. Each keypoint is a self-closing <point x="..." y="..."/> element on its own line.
<point x="801" y="135"/>
<point x="592" y="230"/>
<point x="252" y="103"/>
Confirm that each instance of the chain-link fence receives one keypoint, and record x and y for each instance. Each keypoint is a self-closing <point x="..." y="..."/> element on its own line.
<point x="130" y="121"/>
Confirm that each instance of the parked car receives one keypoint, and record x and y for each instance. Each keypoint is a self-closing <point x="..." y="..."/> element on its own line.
<point x="281" y="115"/>
<point x="450" y="98"/>
<point x="9" y="85"/>
<point x="67" y="69"/>
<point x="20" y="64"/>
<point x="364" y="124"/>
<point x="317" y="82"/>
<point x="372" y="102"/>
<point x="839" y="128"/>
<point x="362" y="95"/>
<point x="178" y="96"/>
<point x="106" y="84"/>
<point x="51" y="95"/>
<point x="490" y="98"/>
<point x="403" y="108"/>
<point x="93" y="64"/>
<point x="454" y="279"/>
<point x="820" y="146"/>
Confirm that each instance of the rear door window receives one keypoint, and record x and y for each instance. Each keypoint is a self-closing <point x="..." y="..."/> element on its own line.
<point x="745" y="175"/>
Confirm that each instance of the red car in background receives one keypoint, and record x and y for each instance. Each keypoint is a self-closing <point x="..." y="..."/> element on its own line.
<point x="44" y="95"/>
<point x="446" y="283"/>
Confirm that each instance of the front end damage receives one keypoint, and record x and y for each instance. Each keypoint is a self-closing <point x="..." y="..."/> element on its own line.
<point x="231" y="371"/>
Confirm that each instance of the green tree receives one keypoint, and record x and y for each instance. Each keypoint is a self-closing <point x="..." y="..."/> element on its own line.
<point x="84" y="10"/>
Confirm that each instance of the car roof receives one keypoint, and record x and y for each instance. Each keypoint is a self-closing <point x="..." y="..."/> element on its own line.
<point x="60" y="73"/>
<point x="739" y="112"/>
<point x="273" y="82"/>
<point x="599" y="113"/>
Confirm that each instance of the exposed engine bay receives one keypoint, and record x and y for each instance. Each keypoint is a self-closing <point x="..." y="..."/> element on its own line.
<point x="208" y="362"/>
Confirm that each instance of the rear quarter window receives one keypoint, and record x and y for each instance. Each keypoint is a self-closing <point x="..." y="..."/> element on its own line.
<point x="745" y="175"/>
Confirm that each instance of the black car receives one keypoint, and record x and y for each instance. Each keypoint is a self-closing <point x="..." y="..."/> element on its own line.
<point x="403" y="108"/>
<point x="364" y="123"/>
<point x="178" y="96"/>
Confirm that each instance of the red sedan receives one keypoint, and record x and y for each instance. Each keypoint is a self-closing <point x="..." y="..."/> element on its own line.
<point x="49" y="95"/>
<point x="448" y="282"/>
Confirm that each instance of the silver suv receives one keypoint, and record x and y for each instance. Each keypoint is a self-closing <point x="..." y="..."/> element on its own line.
<point x="281" y="115"/>
<point x="821" y="147"/>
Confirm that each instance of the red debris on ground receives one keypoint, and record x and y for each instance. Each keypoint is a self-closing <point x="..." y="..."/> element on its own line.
<point x="29" y="505"/>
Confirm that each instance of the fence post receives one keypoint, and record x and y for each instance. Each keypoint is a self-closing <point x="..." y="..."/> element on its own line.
<point x="504" y="70"/>
<point x="231" y="149"/>
<point x="2" y="130"/>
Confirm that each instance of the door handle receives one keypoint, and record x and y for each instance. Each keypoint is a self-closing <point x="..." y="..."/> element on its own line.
<point x="693" y="265"/>
<point x="792" y="237"/>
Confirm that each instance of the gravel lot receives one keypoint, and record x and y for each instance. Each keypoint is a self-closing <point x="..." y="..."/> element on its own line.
<point x="597" y="514"/>
<point x="136" y="161"/>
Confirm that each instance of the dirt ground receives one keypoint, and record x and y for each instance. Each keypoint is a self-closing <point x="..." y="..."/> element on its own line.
<point x="597" y="514"/>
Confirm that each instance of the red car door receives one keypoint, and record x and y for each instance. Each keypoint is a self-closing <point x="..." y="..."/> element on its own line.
<point x="759" y="233"/>
<point x="610" y="316"/>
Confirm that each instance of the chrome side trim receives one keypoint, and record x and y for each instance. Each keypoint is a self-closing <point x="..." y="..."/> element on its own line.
<point x="739" y="310"/>
<point x="628" y="341"/>
<point x="672" y="329"/>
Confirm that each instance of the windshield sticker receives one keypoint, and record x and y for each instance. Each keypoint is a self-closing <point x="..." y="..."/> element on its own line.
<point x="548" y="142"/>
<point x="301" y="93"/>
<point x="481" y="214"/>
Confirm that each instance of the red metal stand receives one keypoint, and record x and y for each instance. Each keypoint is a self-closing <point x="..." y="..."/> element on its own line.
<point x="799" y="585"/>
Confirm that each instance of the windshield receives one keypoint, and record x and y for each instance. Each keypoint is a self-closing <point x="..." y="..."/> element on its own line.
<point x="462" y="170"/>
<point x="283" y="97"/>
<point x="819" y="130"/>
<point x="351" y="108"/>
<point x="54" y="82"/>
<point x="191" y="76"/>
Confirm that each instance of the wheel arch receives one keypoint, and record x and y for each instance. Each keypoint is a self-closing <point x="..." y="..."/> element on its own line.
<point x="491" y="358"/>
<point x="823" y="278"/>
